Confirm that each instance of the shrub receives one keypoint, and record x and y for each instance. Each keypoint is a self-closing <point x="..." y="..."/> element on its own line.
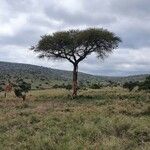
<point x="145" y="85"/>
<point x="96" y="86"/>
<point x="68" y="87"/>
<point x="130" y="85"/>
<point x="1" y="89"/>
<point x="21" y="88"/>
<point x="55" y="86"/>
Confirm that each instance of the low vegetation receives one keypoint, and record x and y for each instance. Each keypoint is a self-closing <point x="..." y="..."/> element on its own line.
<point x="21" y="88"/>
<point x="145" y="85"/>
<point x="45" y="78"/>
<point x="105" y="115"/>
<point x="106" y="118"/>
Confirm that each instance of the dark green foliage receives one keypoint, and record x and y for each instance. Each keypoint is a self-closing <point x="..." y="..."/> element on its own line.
<point x="37" y="87"/>
<point x="130" y="85"/>
<point x="21" y="88"/>
<point x="145" y="85"/>
<point x="18" y="92"/>
<point x="96" y="86"/>
<point x="1" y="88"/>
<point x="112" y="83"/>
<point x="55" y="86"/>
<point x="75" y="45"/>
<point x="40" y="84"/>
<point x="24" y="86"/>
<point x="68" y="87"/>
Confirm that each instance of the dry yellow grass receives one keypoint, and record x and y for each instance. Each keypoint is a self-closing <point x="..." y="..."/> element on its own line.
<point x="109" y="118"/>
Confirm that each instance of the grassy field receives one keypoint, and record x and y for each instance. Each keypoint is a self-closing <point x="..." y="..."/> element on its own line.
<point x="105" y="119"/>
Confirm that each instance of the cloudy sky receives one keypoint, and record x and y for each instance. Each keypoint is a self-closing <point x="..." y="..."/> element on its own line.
<point x="22" y="22"/>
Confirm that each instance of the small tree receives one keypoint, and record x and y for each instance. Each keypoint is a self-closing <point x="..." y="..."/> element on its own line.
<point x="21" y="88"/>
<point x="145" y="85"/>
<point x="130" y="85"/>
<point x="75" y="45"/>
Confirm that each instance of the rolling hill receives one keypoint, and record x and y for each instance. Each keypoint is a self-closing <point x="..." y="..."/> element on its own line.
<point x="43" y="77"/>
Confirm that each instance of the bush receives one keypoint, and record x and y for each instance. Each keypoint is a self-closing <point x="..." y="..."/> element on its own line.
<point x="145" y="85"/>
<point x="21" y="88"/>
<point x="55" y="86"/>
<point x="37" y="87"/>
<point x="141" y="85"/>
<point x="96" y="86"/>
<point x="130" y="85"/>
<point x="1" y="89"/>
<point x="68" y="87"/>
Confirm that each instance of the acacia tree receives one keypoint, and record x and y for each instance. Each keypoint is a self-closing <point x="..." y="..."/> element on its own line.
<point x="75" y="45"/>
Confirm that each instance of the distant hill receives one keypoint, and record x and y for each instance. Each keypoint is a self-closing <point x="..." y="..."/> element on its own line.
<point x="43" y="77"/>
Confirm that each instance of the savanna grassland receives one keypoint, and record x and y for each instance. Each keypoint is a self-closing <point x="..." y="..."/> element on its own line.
<point x="103" y="119"/>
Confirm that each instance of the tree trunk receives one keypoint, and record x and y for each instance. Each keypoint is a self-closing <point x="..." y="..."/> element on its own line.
<point x="75" y="80"/>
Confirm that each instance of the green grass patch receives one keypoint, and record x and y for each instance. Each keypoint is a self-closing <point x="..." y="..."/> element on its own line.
<point x="97" y="119"/>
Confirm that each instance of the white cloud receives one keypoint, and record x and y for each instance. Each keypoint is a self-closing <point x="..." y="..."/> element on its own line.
<point x="23" y="22"/>
<point x="13" y="25"/>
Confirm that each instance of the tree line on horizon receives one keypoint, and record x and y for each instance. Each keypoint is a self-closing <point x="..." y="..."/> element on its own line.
<point x="21" y="88"/>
